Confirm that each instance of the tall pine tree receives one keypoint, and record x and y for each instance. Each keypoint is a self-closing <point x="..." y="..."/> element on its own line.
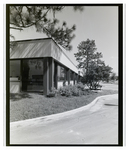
<point x="93" y="67"/>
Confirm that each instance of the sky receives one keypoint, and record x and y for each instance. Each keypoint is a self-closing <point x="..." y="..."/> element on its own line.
<point x="99" y="23"/>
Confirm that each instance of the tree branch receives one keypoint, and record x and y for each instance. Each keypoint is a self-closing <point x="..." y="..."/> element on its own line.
<point x="33" y="23"/>
<point x="19" y="12"/>
<point x="16" y="28"/>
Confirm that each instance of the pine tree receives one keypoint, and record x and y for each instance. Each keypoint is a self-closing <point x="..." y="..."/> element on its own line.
<point x="43" y="18"/>
<point x="93" y="67"/>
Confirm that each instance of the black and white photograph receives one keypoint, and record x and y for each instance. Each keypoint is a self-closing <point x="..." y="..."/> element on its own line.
<point x="64" y="74"/>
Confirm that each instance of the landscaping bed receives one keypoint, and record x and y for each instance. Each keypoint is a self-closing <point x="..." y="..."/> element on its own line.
<point x="31" y="105"/>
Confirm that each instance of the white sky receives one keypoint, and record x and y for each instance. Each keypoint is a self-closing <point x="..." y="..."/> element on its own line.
<point x="99" y="23"/>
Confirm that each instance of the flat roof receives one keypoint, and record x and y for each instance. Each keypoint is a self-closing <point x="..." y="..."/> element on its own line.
<point x="43" y="47"/>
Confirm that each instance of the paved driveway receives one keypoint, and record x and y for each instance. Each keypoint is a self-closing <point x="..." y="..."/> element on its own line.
<point x="109" y="86"/>
<point x="96" y="123"/>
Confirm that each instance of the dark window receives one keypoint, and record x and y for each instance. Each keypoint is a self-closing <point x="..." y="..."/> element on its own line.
<point x="15" y="69"/>
<point x="32" y="75"/>
<point x="71" y="75"/>
<point x="61" y="73"/>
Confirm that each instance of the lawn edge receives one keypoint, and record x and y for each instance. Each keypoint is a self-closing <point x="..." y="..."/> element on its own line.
<point x="62" y="114"/>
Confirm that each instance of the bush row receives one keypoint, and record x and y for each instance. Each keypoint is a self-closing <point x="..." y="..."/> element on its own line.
<point x="73" y="90"/>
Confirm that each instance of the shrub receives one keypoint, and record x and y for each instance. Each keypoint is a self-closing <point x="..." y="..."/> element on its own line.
<point x="66" y="90"/>
<point x="80" y="86"/>
<point x="68" y="93"/>
<point x="52" y="93"/>
<point x="75" y="90"/>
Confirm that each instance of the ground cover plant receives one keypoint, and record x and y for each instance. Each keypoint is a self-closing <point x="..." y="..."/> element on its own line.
<point x="76" y="90"/>
<point x="31" y="105"/>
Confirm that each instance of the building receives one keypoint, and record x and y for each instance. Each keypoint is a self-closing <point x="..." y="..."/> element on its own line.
<point x="40" y="65"/>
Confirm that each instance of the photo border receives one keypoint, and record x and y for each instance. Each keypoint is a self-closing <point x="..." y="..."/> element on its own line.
<point x="120" y="73"/>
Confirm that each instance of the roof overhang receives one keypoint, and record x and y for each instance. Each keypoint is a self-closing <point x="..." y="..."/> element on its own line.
<point x="40" y="48"/>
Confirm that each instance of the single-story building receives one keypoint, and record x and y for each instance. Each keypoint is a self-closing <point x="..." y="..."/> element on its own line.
<point x="40" y="65"/>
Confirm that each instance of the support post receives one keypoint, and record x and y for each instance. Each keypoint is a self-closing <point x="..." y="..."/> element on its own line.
<point x="21" y="75"/>
<point x="65" y="77"/>
<point x="74" y="78"/>
<point x="45" y="76"/>
<point x="77" y="78"/>
<point x="55" y="75"/>
<point x="68" y="75"/>
<point x="51" y="73"/>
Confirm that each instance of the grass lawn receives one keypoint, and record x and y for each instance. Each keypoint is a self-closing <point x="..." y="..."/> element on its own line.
<point x="31" y="105"/>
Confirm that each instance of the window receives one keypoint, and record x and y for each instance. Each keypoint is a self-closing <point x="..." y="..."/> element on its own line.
<point x="32" y="75"/>
<point x="71" y="75"/>
<point x="15" y="69"/>
<point x="61" y="73"/>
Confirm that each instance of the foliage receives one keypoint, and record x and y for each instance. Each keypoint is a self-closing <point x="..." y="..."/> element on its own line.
<point x="94" y="69"/>
<point x="113" y="76"/>
<point x="52" y="93"/>
<point x="43" y="18"/>
<point x="85" y="53"/>
<point x="72" y="90"/>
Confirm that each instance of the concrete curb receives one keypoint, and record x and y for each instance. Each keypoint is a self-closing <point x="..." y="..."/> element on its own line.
<point x="60" y="115"/>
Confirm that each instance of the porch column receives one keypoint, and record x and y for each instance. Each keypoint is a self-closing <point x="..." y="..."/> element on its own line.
<point x="45" y="75"/>
<point x="56" y="75"/>
<point x="51" y="73"/>
<point x="74" y="78"/>
<point x="65" y="77"/>
<point x="21" y="62"/>
<point x="68" y="75"/>
<point x="77" y="78"/>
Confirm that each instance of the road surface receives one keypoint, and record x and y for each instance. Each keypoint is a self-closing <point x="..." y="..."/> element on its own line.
<point x="96" y="123"/>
